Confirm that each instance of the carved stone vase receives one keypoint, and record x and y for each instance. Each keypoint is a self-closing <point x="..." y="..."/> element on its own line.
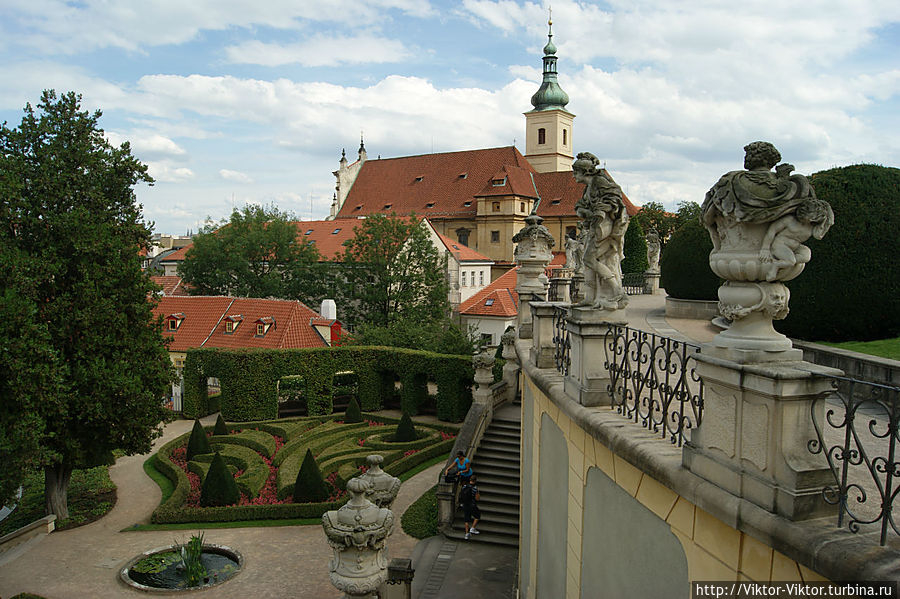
<point x="758" y="220"/>
<point x="383" y="487"/>
<point x="357" y="534"/>
<point x="534" y="250"/>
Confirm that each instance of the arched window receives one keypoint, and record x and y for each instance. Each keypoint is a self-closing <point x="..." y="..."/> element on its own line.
<point x="542" y="136"/>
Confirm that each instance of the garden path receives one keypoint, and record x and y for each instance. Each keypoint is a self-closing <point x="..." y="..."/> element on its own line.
<point x="280" y="561"/>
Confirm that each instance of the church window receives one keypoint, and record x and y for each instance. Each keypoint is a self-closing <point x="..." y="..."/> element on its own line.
<point x="495" y="236"/>
<point x="542" y="136"/>
<point x="496" y="207"/>
<point x="463" y="278"/>
<point x="565" y="137"/>
<point x="462" y="235"/>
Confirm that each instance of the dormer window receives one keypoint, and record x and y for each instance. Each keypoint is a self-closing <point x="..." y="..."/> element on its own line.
<point x="173" y="321"/>
<point x="263" y="325"/>
<point x="467" y="204"/>
<point x="489" y="302"/>
<point x="359" y="207"/>
<point x="462" y="175"/>
<point x="555" y="202"/>
<point x="419" y="178"/>
<point x="429" y="205"/>
<point x="231" y="323"/>
<point x="308" y="231"/>
<point x="387" y="206"/>
<point x="498" y="182"/>
<point x="336" y="231"/>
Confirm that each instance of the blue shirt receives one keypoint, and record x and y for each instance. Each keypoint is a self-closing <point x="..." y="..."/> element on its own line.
<point x="464" y="468"/>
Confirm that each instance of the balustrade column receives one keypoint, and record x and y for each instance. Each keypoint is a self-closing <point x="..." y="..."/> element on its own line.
<point x="588" y="378"/>
<point x="511" y="367"/>
<point x="543" y="334"/>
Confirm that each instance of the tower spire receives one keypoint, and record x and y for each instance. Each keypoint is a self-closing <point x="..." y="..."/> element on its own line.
<point x="550" y="95"/>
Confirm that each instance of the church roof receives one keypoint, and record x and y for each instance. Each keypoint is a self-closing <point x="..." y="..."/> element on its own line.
<point x="559" y="192"/>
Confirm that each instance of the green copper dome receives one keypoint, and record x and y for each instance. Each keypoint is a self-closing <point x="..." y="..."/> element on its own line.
<point x="550" y="95"/>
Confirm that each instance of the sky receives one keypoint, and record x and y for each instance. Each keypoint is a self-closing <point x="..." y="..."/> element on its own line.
<point x="232" y="102"/>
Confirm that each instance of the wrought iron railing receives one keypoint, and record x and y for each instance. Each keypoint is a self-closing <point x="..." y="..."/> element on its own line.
<point x="561" y="345"/>
<point x="576" y="289"/>
<point x="633" y="283"/>
<point x="553" y="294"/>
<point x="857" y="431"/>
<point x="653" y="381"/>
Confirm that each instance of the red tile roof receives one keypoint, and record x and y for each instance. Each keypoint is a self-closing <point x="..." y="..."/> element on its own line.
<point x="431" y="185"/>
<point x="204" y="326"/>
<point x="462" y="252"/>
<point x="178" y="255"/>
<point x="503" y="293"/>
<point x="515" y="181"/>
<point x="329" y="243"/>
<point x="560" y="191"/>
<point x="171" y="285"/>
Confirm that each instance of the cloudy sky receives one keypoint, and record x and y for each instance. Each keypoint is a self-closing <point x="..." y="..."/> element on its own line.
<point x="232" y="102"/>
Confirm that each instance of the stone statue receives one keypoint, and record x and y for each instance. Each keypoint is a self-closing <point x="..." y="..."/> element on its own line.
<point x="356" y="534"/>
<point x="573" y="254"/>
<point x="604" y="221"/>
<point x="653" y="247"/>
<point x="383" y="487"/>
<point x="758" y="220"/>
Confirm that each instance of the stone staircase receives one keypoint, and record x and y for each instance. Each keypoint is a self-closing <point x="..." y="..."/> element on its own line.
<point x="496" y="465"/>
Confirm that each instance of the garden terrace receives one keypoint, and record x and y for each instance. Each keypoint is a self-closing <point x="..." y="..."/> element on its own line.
<point x="265" y="457"/>
<point x="250" y="381"/>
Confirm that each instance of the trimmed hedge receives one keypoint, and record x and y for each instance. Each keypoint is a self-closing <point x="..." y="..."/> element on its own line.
<point x="198" y="444"/>
<point x="256" y="471"/>
<point x="850" y="289"/>
<point x="405" y="431"/>
<point x="249" y="379"/>
<point x="260" y="441"/>
<point x="420" y="520"/>
<point x="310" y="486"/>
<point x="635" y="249"/>
<point x="220" y="428"/>
<point x="353" y="414"/>
<point x="684" y="270"/>
<point x="219" y="487"/>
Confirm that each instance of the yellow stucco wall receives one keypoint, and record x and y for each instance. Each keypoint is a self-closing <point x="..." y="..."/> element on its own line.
<point x="714" y="550"/>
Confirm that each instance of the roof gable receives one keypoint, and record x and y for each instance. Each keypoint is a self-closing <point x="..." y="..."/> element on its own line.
<point x="431" y="185"/>
<point x="497" y="299"/>
<point x="462" y="252"/>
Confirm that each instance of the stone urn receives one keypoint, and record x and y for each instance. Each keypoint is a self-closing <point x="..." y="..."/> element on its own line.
<point x="758" y="220"/>
<point x="357" y="534"/>
<point x="383" y="487"/>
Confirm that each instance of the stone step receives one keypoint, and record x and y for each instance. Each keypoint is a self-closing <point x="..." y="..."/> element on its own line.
<point x="505" y="496"/>
<point x="505" y="427"/>
<point x="482" y="467"/>
<point x="500" y="476"/>
<point x="488" y="527"/>
<point x="496" y="433"/>
<point x="493" y="517"/>
<point x="485" y="537"/>
<point x="490" y="453"/>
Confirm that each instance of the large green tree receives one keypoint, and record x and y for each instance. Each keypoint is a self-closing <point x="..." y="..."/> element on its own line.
<point x="392" y="272"/>
<point x="84" y="365"/>
<point x="653" y="215"/>
<point x="256" y="253"/>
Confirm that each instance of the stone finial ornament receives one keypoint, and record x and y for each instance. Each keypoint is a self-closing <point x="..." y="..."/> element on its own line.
<point x="758" y="220"/>
<point x="603" y="222"/>
<point x="383" y="487"/>
<point x="357" y="534"/>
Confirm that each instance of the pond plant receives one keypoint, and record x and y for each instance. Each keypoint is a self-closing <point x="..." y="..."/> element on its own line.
<point x="183" y="566"/>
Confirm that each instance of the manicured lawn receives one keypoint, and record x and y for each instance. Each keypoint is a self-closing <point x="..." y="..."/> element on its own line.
<point x="265" y="458"/>
<point x="91" y="495"/>
<point x="885" y="348"/>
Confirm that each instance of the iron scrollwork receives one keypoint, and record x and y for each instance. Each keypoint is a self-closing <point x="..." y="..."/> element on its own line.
<point x="653" y="381"/>
<point x="857" y="431"/>
<point x="561" y="345"/>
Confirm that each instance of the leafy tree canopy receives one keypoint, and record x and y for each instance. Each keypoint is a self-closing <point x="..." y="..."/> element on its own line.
<point x="653" y="215"/>
<point x="393" y="272"/>
<point x="83" y="362"/>
<point x="635" y="249"/>
<point x="439" y="336"/>
<point x="256" y="253"/>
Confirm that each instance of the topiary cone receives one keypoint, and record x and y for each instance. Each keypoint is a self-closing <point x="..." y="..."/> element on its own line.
<point x="198" y="444"/>
<point x="405" y="430"/>
<point x="219" y="487"/>
<point x="310" y="486"/>
<point x="353" y="413"/>
<point x="220" y="428"/>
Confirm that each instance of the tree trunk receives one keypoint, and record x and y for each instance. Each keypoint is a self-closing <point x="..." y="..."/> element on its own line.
<point x="56" y="487"/>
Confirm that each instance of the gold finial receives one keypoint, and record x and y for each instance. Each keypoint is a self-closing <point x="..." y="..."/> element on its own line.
<point x="550" y="18"/>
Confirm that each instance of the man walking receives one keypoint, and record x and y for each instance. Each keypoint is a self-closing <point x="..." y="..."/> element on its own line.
<point x="468" y="498"/>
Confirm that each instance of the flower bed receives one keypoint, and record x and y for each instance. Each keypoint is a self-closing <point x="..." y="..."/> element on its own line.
<point x="265" y="465"/>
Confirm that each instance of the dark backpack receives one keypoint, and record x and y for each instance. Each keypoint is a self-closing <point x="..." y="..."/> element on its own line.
<point x="466" y="494"/>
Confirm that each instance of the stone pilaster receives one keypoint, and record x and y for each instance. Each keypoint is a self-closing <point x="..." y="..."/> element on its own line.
<point x="588" y="378"/>
<point x="756" y="425"/>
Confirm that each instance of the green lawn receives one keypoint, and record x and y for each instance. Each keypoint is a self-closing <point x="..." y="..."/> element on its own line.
<point x="884" y="348"/>
<point x="91" y="495"/>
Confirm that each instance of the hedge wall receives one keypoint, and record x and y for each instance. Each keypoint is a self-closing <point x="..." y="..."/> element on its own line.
<point x="249" y="379"/>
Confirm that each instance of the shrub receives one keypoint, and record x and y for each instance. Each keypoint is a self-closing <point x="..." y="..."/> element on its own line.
<point x="220" y="428"/>
<point x="219" y="487"/>
<point x="850" y="290"/>
<point x="198" y="444"/>
<point x="405" y="430"/>
<point x="310" y="486"/>
<point x="684" y="264"/>
<point x="420" y="519"/>
<point x="635" y="249"/>
<point x="353" y="415"/>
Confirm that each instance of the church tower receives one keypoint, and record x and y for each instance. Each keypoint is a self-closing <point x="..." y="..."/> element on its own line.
<point x="548" y="128"/>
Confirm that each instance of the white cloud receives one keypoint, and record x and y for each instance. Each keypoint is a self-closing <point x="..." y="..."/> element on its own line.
<point x="166" y="173"/>
<point x="235" y="176"/>
<point x="319" y="51"/>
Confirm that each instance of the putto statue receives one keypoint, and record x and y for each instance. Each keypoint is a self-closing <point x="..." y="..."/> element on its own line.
<point x="758" y="220"/>
<point x="603" y="221"/>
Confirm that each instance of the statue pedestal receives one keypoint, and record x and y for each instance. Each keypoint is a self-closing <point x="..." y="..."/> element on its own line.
<point x="543" y="347"/>
<point x="753" y="438"/>
<point x="651" y="283"/>
<point x="588" y="378"/>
